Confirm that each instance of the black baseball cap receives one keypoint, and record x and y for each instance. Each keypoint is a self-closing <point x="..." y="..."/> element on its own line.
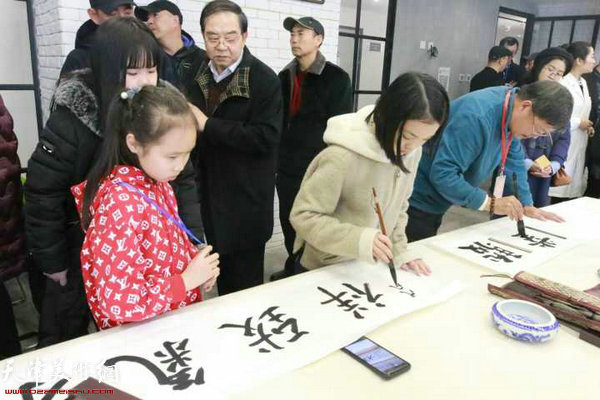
<point x="108" y="6"/>
<point x="157" y="6"/>
<point x="307" y="22"/>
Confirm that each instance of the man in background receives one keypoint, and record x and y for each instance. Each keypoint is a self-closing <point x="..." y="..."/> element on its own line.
<point x="99" y="12"/>
<point x="165" y="21"/>
<point x="313" y="90"/>
<point x="513" y="74"/>
<point x="491" y="75"/>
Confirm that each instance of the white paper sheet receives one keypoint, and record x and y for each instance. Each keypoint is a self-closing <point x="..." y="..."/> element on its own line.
<point x="342" y="310"/>
<point x="497" y="245"/>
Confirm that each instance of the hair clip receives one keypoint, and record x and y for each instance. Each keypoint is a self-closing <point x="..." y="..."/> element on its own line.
<point x="128" y="94"/>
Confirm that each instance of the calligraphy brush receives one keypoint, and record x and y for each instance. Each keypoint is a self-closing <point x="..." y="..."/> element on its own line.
<point x="391" y="265"/>
<point x="520" y="223"/>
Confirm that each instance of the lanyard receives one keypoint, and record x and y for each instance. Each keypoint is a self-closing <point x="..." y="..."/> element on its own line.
<point x="505" y="147"/>
<point x="161" y="210"/>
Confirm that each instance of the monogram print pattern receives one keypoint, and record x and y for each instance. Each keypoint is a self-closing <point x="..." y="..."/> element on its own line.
<point x="133" y="255"/>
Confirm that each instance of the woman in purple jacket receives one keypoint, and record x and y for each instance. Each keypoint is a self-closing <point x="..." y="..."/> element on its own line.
<point x="551" y="64"/>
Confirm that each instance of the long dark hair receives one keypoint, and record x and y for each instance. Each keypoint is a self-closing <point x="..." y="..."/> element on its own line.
<point x="412" y="96"/>
<point x="148" y="114"/>
<point x="120" y="43"/>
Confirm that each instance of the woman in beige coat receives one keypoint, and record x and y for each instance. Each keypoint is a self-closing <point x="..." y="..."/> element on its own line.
<point x="377" y="147"/>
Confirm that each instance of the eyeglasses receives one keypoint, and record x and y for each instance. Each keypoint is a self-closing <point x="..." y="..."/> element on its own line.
<point x="228" y="40"/>
<point x="537" y="132"/>
<point x="552" y="71"/>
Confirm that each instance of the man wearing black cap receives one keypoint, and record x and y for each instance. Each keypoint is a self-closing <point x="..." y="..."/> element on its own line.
<point x="498" y="59"/>
<point x="99" y="12"/>
<point x="165" y="20"/>
<point x="314" y="90"/>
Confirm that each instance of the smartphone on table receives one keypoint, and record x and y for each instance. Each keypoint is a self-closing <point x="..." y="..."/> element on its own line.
<point x="381" y="361"/>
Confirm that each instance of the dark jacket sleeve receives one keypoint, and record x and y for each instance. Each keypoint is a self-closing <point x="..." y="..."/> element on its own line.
<point x="187" y="200"/>
<point x="47" y="192"/>
<point x="341" y="97"/>
<point x="560" y="149"/>
<point x="260" y="134"/>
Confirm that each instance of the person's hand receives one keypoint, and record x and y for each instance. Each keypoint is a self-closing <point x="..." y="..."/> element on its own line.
<point x="58" y="277"/>
<point x="200" y="116"/>
<point x="202" y="268"/>
<point x="418" y="266"/>
<point x="536" y="170"/>
<point x="382" y="248"/>
<point x="536" y="213"/>
<point x="585" y="124"/>
<point x="209" y="284"/>
<point x="509" y="206"/>
<point x="590" y="131"/>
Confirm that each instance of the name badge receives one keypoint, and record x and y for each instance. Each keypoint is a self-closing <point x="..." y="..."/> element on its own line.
<point x="499" y="186"/>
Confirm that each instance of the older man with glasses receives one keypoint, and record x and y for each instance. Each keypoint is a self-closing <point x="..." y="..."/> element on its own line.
<point x="240" y="114"/>
<point x="483" y="134"/>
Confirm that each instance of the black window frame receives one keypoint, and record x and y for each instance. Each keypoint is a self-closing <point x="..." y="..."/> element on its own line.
<point x="358" y="37"/>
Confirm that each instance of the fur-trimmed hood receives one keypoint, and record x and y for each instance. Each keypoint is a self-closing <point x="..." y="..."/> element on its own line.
<point x="75" y="94"/>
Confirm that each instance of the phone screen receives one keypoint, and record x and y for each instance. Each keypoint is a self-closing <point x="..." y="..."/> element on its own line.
<point x="376" y="356"/>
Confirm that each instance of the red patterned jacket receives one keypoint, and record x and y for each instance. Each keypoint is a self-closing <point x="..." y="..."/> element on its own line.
<point x="133" y="256"/>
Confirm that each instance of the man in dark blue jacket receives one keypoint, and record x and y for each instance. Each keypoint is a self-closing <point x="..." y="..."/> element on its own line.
<point x="164" y="20"/>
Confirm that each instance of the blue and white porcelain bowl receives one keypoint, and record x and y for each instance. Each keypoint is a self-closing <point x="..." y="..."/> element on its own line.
<point x="524" y="321"/>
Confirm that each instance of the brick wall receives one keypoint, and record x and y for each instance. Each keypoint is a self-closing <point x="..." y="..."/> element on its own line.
<point x="57" y="21"/>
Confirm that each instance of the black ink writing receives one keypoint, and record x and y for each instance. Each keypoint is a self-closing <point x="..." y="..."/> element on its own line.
<point x="264" y="337"/>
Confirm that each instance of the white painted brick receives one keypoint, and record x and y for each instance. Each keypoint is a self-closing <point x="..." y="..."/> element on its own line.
<point x="258" y="4"/>
<point x="70" y="14"/>
<point x="269" y="15"/>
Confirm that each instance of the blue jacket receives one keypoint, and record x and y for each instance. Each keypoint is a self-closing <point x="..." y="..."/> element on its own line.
<point x="468" y="153"/>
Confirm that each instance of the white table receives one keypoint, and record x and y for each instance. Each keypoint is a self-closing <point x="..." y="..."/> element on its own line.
<point x="454" y="348"/>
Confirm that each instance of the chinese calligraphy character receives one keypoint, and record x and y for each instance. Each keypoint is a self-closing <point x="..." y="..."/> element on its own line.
<point x="265" y="338"/>
<point x="179" y="380"/>
<point x="400" y="289"/>
<point x="350" y="304"/>
<point x="539" y="242"/>
<point x="492" y="253"/>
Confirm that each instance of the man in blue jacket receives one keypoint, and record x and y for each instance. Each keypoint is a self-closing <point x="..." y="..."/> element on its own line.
<point x="472" y="147"/>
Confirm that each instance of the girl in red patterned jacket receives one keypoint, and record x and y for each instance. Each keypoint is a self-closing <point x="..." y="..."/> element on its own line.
<point x="137" y="259"/>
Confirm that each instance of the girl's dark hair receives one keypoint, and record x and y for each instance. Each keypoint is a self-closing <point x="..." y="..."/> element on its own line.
<point x="148" y="115"/>
<point x="411" y="96"/>
<point x="544" y="58"/>
<point x="120" y="43"/>
<point x="580" y="50"/>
